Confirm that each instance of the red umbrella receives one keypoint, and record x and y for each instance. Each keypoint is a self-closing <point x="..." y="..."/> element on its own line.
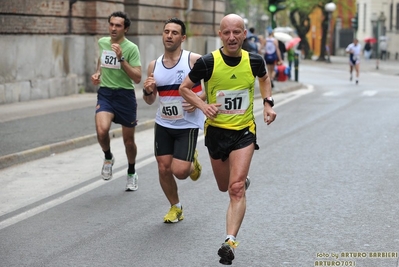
<point x="290" y="44"/>
<point x="371" y="40"/>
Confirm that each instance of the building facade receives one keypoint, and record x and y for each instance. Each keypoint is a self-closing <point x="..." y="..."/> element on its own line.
<point x="380" y="18"/>
<point x="49" y="47"/>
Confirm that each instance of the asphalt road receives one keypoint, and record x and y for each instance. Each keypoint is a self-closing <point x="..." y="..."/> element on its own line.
<point x="42" y="128"/>
<point x="324" y="190"/>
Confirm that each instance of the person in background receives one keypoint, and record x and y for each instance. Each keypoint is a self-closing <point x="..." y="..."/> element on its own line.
<point x="367" y="50"/>
<point x="251" y="43"/>
<point x="291" y="58"/>
<point x="272" y="55"/>
<point x="229" y="74"/>
<point x="354" y="50"/>
<point x="176" y="122"/>
<point x="262" y="43"/>
<point x="383" y="46"/>
<point x="118" y="68"/>
<point x="283" y="50"/>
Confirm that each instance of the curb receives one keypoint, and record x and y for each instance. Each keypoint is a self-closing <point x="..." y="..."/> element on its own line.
<point x="56" y="148"/>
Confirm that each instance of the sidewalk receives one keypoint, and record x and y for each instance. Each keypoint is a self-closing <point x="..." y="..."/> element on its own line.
<point x="14" y="117"/>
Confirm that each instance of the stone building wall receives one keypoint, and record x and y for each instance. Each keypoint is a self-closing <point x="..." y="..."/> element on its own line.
<point x="49" y="47"/>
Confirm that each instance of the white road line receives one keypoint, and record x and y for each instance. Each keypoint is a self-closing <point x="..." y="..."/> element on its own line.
<point x="64" y="198"/>
<point x="331" y="93"/>
<point x="258" y="108"/>
<point x="369" y="93"/>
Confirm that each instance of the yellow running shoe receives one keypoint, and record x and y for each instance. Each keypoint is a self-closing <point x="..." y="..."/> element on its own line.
<point x="196" y="173"/>
<point x="174" y="215"/>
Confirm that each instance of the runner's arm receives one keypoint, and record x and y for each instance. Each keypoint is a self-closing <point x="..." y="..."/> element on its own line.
<point x="269" y="115"/>
<point x="150" y="86"/>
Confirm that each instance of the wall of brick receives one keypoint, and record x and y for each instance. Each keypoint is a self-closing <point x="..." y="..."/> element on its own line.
<point x="50" y="47"/>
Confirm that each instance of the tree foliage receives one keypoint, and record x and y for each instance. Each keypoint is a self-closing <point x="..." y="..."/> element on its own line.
<point x="300" y="11"/>
<point x="299" y="16"/>
<point x="243" y="6"/>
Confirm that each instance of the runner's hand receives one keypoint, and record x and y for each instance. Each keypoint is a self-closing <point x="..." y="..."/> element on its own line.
<point x="269" y="115"/>
<point x="150" y="84"/>
<point x="211" y="110"/>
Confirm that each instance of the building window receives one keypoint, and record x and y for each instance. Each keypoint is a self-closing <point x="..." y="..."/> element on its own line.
<point x="391" y="17"/>
<point x="397" y="17"/>
<point x="364" y="17"/>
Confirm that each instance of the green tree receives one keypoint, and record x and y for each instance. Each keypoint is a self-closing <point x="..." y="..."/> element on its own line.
<point x="237" y="6"/>
<point x="301" y="22"/>
<point x="299" y="18"/>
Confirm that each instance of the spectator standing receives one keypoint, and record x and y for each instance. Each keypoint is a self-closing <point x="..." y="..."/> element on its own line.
<point x="283" y="50"/>
<point x="291" y="58"/>
<point x="383" y="46"/>
<point x="251" y="43"/>
<point x="367" y="50"/>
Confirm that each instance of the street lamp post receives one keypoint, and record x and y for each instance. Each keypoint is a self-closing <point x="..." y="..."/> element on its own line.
<point x="381" y="26"/>
<point x="329" y="8"/>
<point x="378" y="24"/>
<point x="374" y="24"/>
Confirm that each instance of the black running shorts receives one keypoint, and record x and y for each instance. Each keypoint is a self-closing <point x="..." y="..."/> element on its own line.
<point x="120" y="102"/>
<point x="220" y="142"/>
<point x="180" y="143"/>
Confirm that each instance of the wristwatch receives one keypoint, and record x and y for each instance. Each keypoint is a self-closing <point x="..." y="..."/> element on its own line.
<point x="122" y="59"/>
<point x="269" y="100"/>
<point x="145" y="92"/>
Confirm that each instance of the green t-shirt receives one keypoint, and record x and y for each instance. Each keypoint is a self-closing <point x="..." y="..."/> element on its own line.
<point x="112" y="74"/>
<point x="291" y="54"/>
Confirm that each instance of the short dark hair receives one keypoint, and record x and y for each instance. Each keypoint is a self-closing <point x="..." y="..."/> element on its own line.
<point x="121" y="15"/>
<point x="179" y="22"/>
<point x="252" y="30"/>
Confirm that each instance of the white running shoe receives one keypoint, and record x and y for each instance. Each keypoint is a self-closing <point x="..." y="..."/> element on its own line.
<point x="106" y="171"/>
<point x="131" y="182"/>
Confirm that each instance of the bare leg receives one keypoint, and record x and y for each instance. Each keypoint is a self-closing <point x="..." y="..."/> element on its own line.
<point x="168" y="169"/>
<point x="130" y="145"/>
<point x="166" y="178"/>
<point x="231" y="175"/>
<point x="103" y="124"/>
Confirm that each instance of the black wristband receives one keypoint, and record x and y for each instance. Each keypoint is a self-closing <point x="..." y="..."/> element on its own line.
<point x="145" y="92"/>
<point x="268" y="100"/>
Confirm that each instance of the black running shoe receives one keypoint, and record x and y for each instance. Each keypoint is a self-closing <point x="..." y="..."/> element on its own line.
<point x="247" y="183"/>
<point x="226" y="252"/>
